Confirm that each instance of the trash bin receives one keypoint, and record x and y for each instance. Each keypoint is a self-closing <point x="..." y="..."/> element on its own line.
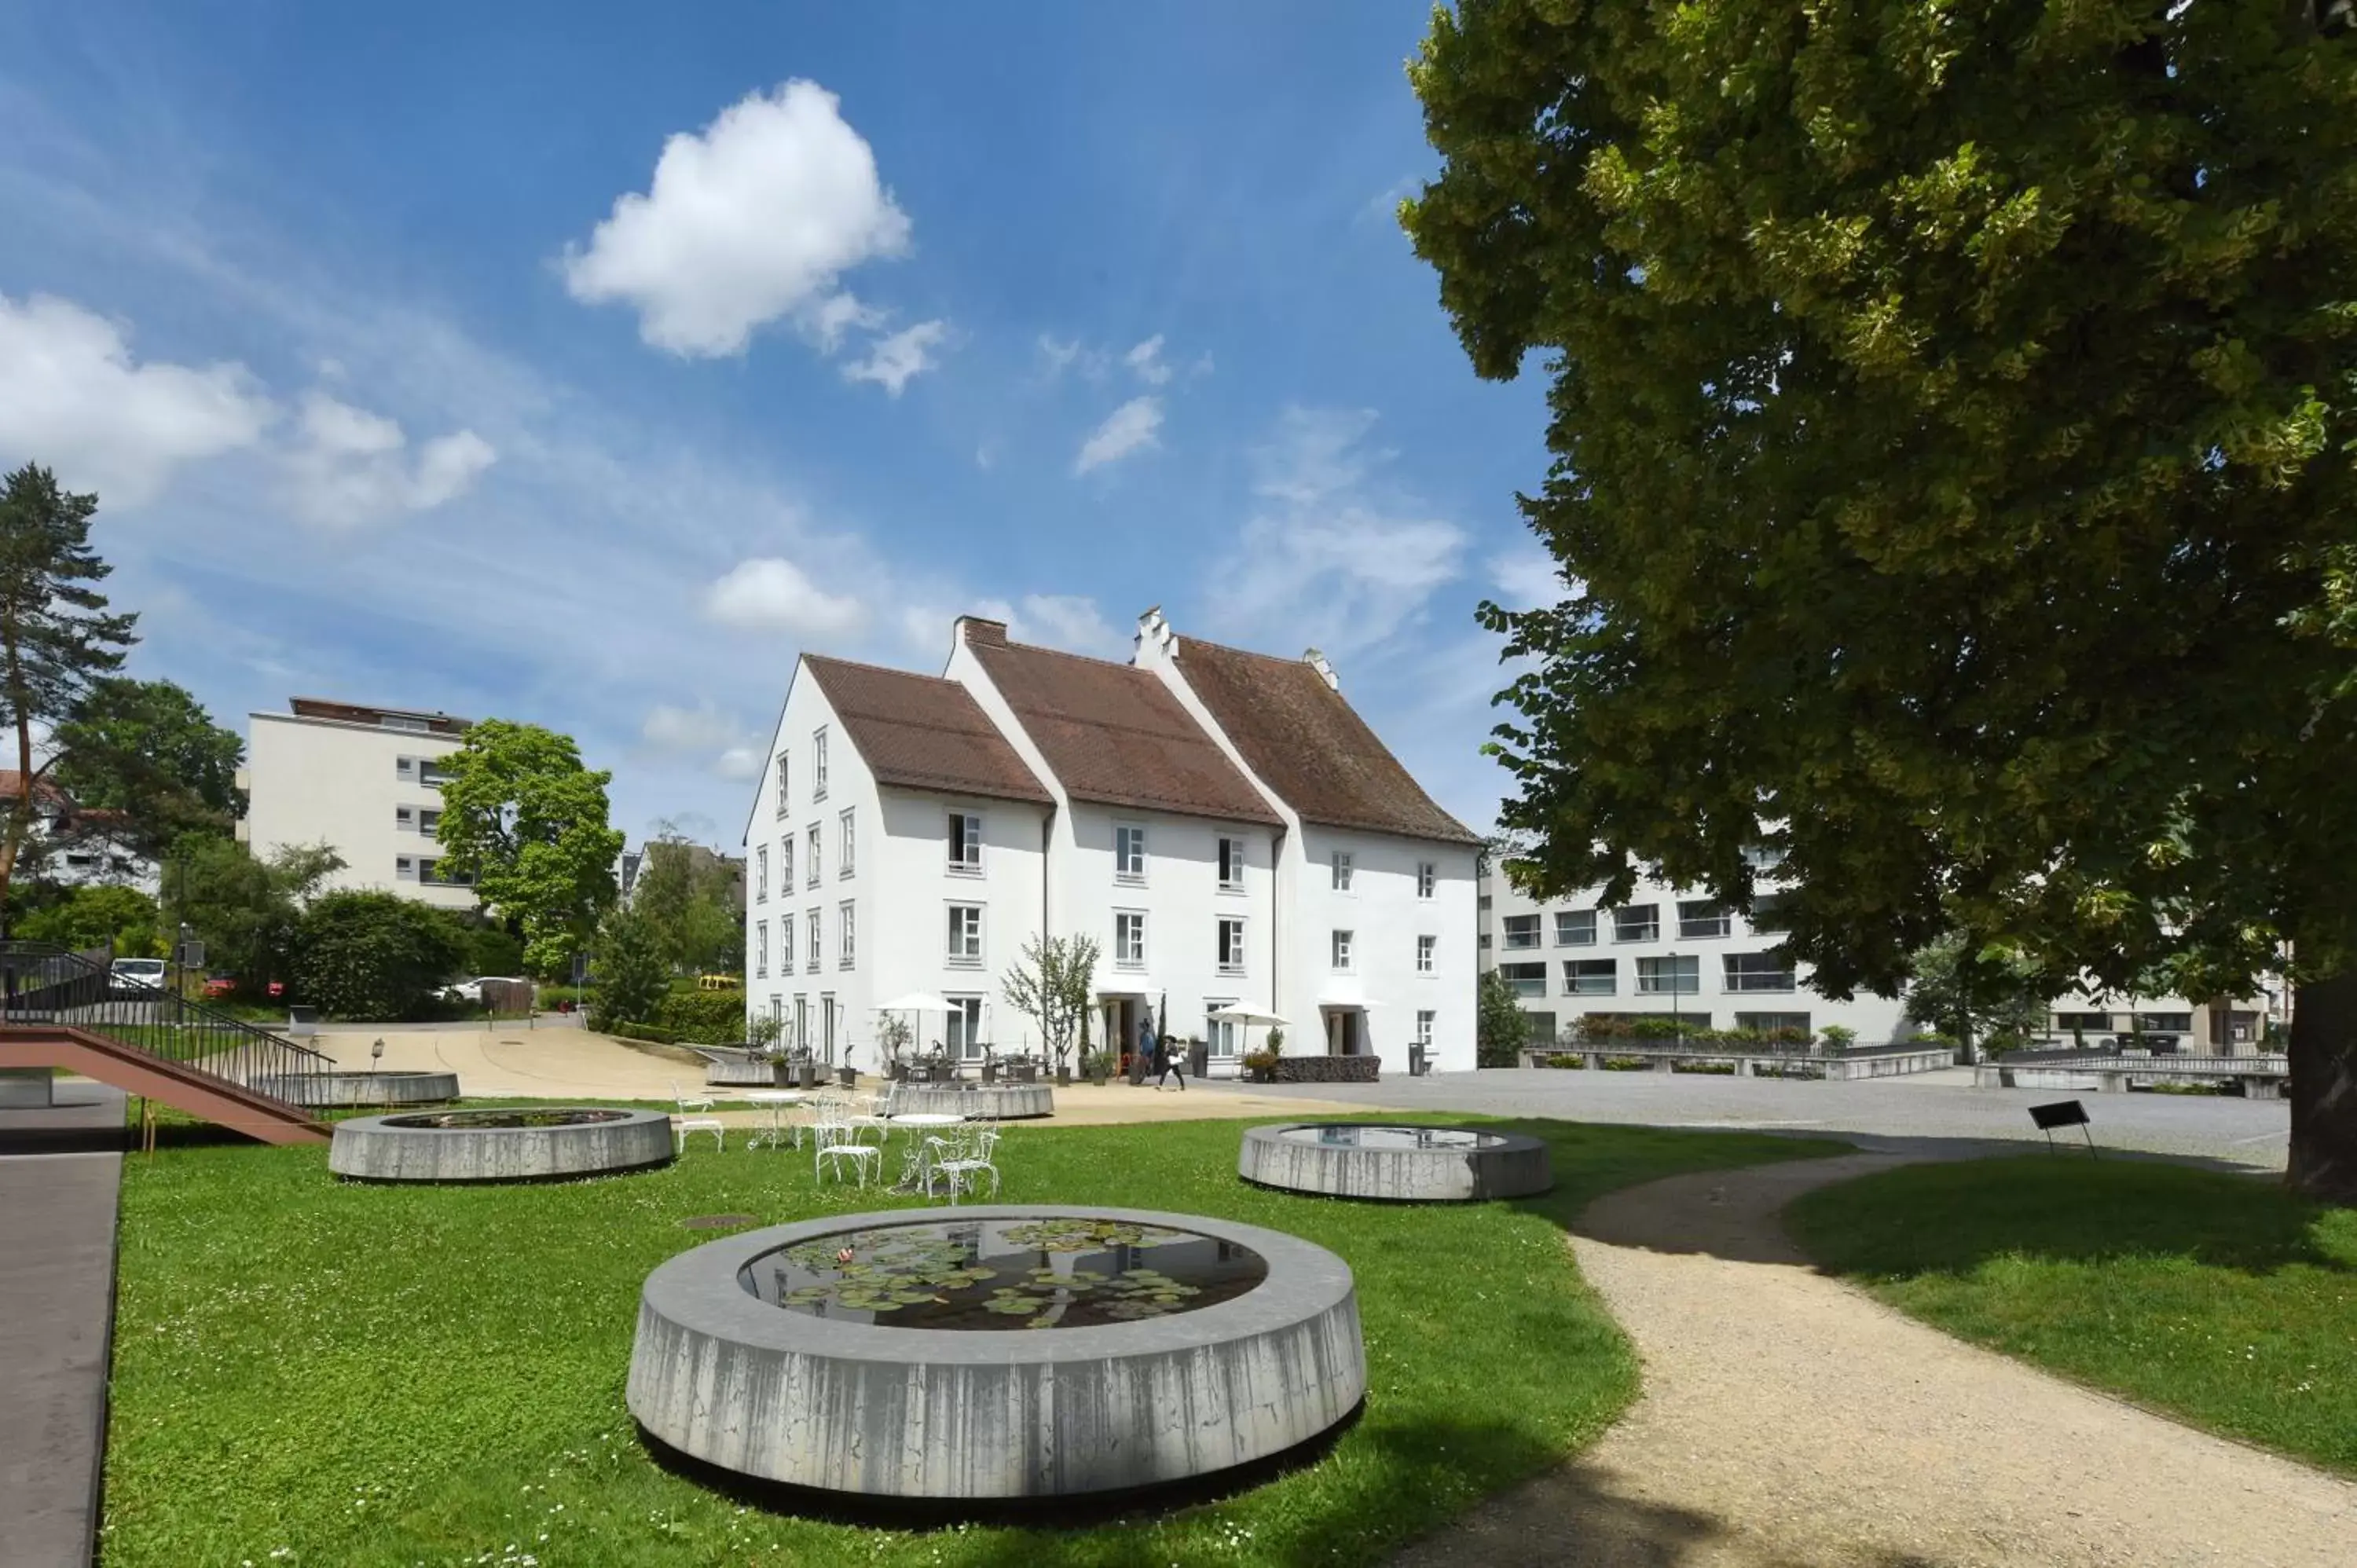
<point x="1416" y="1063"/>
<point x="1198" y="1059"/>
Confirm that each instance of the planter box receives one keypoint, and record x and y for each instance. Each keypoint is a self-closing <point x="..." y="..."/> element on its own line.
<point x="1328" y="1069"/>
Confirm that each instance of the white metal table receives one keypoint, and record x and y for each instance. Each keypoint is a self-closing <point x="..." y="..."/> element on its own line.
<point x="777" y="1099"/>
<point x="922" y="1156"/>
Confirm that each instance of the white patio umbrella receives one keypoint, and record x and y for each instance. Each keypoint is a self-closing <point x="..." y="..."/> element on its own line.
<point x="918" y="1002"/>
<point x="1242" y="1013"/>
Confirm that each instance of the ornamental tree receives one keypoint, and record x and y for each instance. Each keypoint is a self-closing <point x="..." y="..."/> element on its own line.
<point x="525" y="822"/>
<point x="1951" y="408"/>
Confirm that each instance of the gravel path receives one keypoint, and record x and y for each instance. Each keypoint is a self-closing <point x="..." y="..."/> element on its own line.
<point x="1792" y="1422"/>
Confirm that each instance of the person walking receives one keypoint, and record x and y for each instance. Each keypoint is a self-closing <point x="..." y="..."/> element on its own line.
<point x="1141" y="1058"/>
<point x="1166" y="1062"/>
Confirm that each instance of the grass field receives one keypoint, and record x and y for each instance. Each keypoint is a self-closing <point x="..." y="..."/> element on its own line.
<point x="365" y="1377"/>
<point x="2217" y="1298"/>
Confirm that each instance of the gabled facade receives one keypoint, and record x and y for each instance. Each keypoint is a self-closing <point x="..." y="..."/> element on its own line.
<point x="1029" y="792"/>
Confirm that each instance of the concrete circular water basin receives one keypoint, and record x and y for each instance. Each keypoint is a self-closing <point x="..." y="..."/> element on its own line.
<point x="523" y="1144"/>
<point x="1401" y="1163"/>
<point x="996" y="1353"/>
<point x="328" y="1090"/>
<point x="976" y="1103"/>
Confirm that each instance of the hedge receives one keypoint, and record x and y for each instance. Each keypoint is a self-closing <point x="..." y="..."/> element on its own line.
<point x="704" y="1017"/>
<point x="1328" y="1069"/>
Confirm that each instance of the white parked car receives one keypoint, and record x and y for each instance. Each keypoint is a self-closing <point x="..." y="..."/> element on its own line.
<point x="136" y="976"/>
<point x="470" y="992"/>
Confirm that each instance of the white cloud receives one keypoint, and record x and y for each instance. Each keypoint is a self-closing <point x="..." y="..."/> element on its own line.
<point x="1069" y="621"/>
<point x="1526" y="577"/>
<point x="768" y="594"/>
<point x="752" y="221"/>
<point x="1145" y="361"/>
<point x="1128" y="429"/>
<point x="1335" y="556"/>
<point x="73" y="400"/>
<point x="1057" y="355"/>
<point x="702" y="732"/>
<point x="348" y="465"/>
<point x="892" y="361"/>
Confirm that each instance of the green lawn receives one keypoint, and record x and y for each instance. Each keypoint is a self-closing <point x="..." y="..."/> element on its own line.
<point x="312" y="1373"/>
<point x="2217" y="1298"/>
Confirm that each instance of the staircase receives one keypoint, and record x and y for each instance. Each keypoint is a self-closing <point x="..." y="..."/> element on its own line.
<point x="61" y="1009"/>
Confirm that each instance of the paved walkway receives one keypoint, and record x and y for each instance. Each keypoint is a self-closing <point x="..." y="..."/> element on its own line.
<point x="1790" y="1421"/>
<point x="57" y="1311"/>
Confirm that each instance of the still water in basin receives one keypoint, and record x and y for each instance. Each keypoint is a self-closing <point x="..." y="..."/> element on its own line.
<point x="1354" y="1137"/>
<point x="991" y="1274"/>
<point x="474" y="1120"/>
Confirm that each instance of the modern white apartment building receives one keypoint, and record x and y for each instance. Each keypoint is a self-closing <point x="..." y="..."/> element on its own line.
<point x="1663" y="952"/>
<point x="1220" y="821"/>
<point x="362" y="780"/>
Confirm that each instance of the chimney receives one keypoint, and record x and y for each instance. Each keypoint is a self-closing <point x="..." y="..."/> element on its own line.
<point x="976" y="632"/>
<point x="1317" y="660"/>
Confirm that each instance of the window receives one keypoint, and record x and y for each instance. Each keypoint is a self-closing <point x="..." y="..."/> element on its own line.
<point x="1522" y="930"/>
<point x="1424" y="950"/>
<point x="785" y="796"/>
<point x="2069" y="1021"/>
<point x="818" y="763"/>
<point x="1637" y="923"/>
<point x="406" y="868"/>
<point x="786" y="864"/>
<point x="843" y="917"/>
<point x="429" y="822"/>
<point x="1700" y="917"/>
<point x="1341" y="870"/>
<point x="760" y="948"/>
<point x="1427" y="875"/>
<point x="785" y="944"/>
<point x="810" y="855"/>
<point x="1482" y="942"/>
<point x="1527" y="979"/>
<point x="1590" y="976"/>
<point x="404" y="768"/>
<point x="965" y="935"/>
<point x="429" y="873"/>
<point x="964" y="1039"/>
<point x="966" y="844"/>
<point x="1763" y="857"/>
<point x="1224" y="1036"/>
<point x="811" y="953"/>
<point x="1423" y="1027"/>
<point x="1575" y="928"/>
<point x="762" y="874"/>
<point x="1767" y="1023"/>
<point x="404" y="817"/>
<point x="1128" y="939"/>
<point x="2164" y="1023"/>
<point x="431" y="773"/>
<point x="1231" y="945"/>
<point x="1482" y="902"/>
<point x="802" y="1013"/>
<point x="1769" y="916"/>
<point x="1231" y="865"/>
<point x="1129" y="854"/>
<point x="1758" y="971"/>
<point x="848" y="853"/>
<point x="1343" y="941"/>
<point x="1670" y="976"/>
<point x="396" y="721"/>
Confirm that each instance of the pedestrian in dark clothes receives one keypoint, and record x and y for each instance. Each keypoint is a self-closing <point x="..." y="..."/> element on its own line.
<point x="1166" y="1062"/>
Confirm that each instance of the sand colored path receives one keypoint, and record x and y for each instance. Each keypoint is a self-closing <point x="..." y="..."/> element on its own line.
<point x="1792" y="1422"/>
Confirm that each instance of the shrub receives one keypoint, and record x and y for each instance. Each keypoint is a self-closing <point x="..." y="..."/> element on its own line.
<point x="1838" y="1036"/>
<point x="89" y="917"/>
<point x="375" y="955"/>
<point x="1652" y="1028"/>
<point x="493" y="950"/>
<point x="1709" y="1069"/>
<point x="631" y="977"/>
<point x="1627" y="1064"/>
<point x="1561" y="1059"/>
<point x="703" y="1017"/>
<point x="1593" y="1028"/>
<point x="654" y="1034"/>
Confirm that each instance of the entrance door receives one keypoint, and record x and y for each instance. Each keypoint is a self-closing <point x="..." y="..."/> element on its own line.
<point x="826" y="1011"/>
<point x="1341" y="1032"/>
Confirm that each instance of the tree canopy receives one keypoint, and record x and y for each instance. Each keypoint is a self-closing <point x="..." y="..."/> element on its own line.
<point x="57" y="634"/>
<point x="246" y="911"/>
<point x="149" y="751"/>
<point x="1501" y="1027"/>
<point x="689" y="896"/>
<point x="525" y="822"/>
<point x="375" y="955"/>
<point x="1953" y="414"/>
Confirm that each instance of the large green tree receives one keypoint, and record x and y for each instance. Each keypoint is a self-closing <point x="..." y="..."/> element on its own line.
<point x="1951" y="412"/>
<point x="525" y="822"/>
<point x="376" y="956"/>
<point x="246" y="911"/>
<point x="690" y="898"/>
<point x="57" y="634"/>
<point x="1501" y="1027"/>
<point x="150" y="752"/>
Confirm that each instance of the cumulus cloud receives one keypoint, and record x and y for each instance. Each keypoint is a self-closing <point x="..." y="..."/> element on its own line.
<point x="705" y="732"/>
<point x="74" y="400"/>
<point x="770" y="594"/>
<point x="749" y="221"/>
<point x="1130" y="428"/>
<point x="892" y="361"/>
<point x="1072" y="622"/>
<point x="1331" y="551"/>
<point x="1526" y="577"/>
<point x="1058" y="355"/>
<point x="347" y="465"/>
<point x="1145" y="361"/>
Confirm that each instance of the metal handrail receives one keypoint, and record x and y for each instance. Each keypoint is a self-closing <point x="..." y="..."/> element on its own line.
<point x="43" y="983"/>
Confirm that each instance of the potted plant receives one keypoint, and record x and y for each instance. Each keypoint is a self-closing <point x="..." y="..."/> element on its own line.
<point x="1260" y="1066"/>
<point x="1839" y="1038"/>
<point x="844" y="1073"/>
<point x="1054" y="983"/>
<point x="804" y="1069"/>
<point x="892" y="1038"/>
<point x="989" y="1065"/>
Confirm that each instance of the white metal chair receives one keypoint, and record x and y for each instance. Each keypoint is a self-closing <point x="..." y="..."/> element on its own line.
<point x="963" y="1159"/>
<point x="838" y="1142"/>
<point x="690" y="1121"/>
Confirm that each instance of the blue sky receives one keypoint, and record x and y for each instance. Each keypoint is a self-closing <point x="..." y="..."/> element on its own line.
<point x="582" y="364"/>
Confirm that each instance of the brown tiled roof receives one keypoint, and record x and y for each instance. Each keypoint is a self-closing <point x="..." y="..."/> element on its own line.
<point x="1311" y="746"/>
<point x="921" y="732"/>
<point x="1115" y="735"/>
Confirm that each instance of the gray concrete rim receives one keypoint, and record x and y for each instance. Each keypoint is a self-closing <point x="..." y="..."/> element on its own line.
<point x="1512" y="1164"/>
<point x="698" y="1290"/>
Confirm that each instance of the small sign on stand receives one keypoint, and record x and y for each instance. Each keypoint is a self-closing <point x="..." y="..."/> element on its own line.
<point x="2064" y="1113"/>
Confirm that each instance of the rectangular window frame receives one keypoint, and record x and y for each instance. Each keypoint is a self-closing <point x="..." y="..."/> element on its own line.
<point x="1580" y="975"/>
<point x="1526" y="983"/>
<point x="962" y="1028"/>
<point x="760" y="950"/>
<point x="1342" y="865"/>
<point x="785" y="794"/>
<point x="1342" y="950"/>
<point x="761" y="874"/>
<point x="810" y="855"/>
<point x="961" y="843"/>
<point x="1129" y="938"/>
<point x="964" y="937"/>
<point x="846" y="919"/>
<point x="846" y="857"/>
<point x="1425" y="1019"/>
<point x="1649" y="931"/>
<point x="1750" y="974"/>
<point x="1570" y="923"/>
<point x="1701" y="919"/>
<point x="1427" y="954"/>
<point x="1229" y="931"/>
<point x="1428" y="878"/>
<point x="1521" y="932"/>
<point x="1651" y="974"/>
<point x="815" y="948"/>
<point x="1231" y="863"/>
<point x="818" y="765"/>
<point x="1129" y="853"/>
